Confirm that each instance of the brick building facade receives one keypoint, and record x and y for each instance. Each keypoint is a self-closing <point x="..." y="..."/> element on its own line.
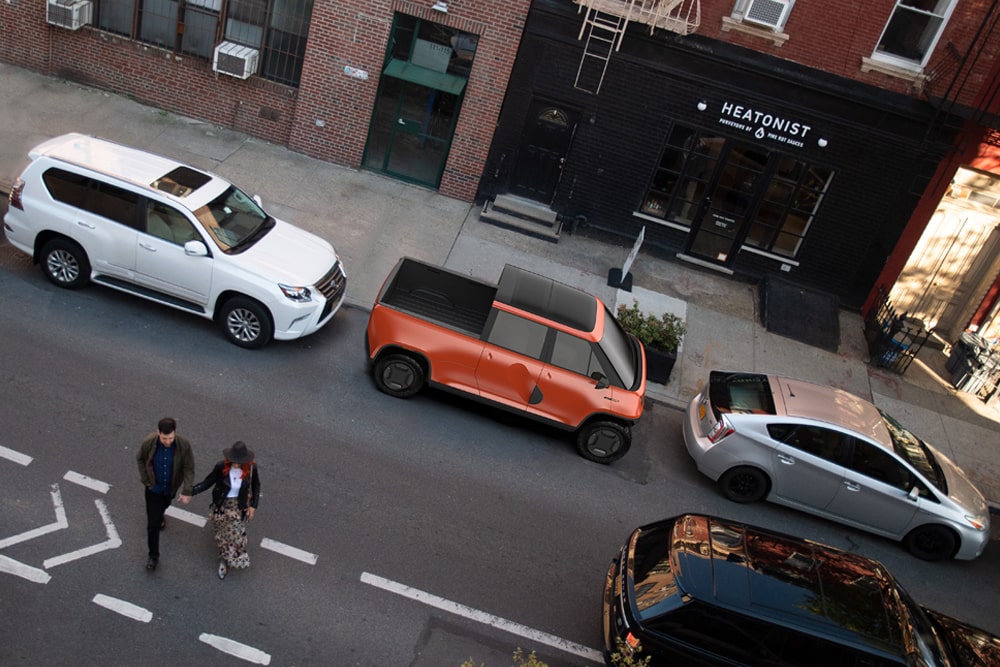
<point x="318" y="109"/>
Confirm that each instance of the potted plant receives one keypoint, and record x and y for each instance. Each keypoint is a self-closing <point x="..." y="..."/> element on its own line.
<point x="661" y="337"/>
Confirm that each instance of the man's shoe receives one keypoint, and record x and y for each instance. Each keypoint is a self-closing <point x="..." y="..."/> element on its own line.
<point x="151" y="564"/>
<point x="163" y="523"/>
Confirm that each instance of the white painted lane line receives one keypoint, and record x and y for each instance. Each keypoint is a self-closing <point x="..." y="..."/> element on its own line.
<point x="189" y="517"/>
<point x="33" y="574"/>
<point x="16" y="457"/>
<point x="482" y="617"/>
<point x="248" y="653"/>
<point x="135" y="612"/>
<point x="113" y="541"/>
<point x="59" y="524"/>
<point x="291" y="552"/>
<point x="89" y="482"/>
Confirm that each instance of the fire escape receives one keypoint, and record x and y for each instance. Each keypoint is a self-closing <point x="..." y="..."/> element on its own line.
<point x="605" y="22"/>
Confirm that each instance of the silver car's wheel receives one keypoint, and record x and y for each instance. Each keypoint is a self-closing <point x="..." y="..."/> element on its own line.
<point x="246" y="323"/>
<point x="931" y="542"/>
<point x="744" y="484"/>
<point x="65" y="263"/>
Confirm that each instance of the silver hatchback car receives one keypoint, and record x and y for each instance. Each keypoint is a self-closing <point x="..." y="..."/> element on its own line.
<point x="827" y="452"/>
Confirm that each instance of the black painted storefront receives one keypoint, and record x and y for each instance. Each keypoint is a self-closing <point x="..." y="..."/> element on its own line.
<point x="738" y="161"/>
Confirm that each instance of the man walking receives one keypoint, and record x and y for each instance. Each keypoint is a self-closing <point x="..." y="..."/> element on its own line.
<point x="166" y="464"/>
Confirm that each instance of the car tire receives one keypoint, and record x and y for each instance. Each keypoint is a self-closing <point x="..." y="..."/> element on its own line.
<point x="931" y="542"/>
<point x="399" y="375"/>
<point x="246" y="323"/>
<point x="603" y="441"/>
<point x="745" y="484"/>
<point x="65" y="263"/>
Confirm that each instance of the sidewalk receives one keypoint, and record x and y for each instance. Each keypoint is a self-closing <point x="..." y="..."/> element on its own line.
<point x="374" y="220"/>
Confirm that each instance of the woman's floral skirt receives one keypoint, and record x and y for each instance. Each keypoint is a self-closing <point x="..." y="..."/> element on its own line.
<point x="231" y="534"/>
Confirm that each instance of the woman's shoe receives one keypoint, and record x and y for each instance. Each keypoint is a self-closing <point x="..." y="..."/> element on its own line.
<point x="222" y="569"/>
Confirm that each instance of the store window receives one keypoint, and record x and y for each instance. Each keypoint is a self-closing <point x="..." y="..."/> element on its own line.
<point x="277" y="28"/>
<point x="912" y="32"/>
<point x="770" y="199"/>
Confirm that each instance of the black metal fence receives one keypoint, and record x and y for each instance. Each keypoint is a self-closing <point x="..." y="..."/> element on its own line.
<point x="893" y="339"/>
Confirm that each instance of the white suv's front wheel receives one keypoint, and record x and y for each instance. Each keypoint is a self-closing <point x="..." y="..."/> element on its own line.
<point x="246" y="322"/>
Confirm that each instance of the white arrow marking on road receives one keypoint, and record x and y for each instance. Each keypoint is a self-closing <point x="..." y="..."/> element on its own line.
<point x="11" y="566"/>
<point x="113" y="542"/>
<point x="248" y="653"/>
<point x="184" y="515"/>
<point x="43" y="530"/>
<point x="89" y="482"/>
<point x="291" y="552"/>
<point x="482" y="617"/>
<point x="135" y="612"/>
<point x="16" y="457"/>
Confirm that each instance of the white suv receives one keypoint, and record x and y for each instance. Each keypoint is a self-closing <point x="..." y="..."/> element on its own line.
<point x="89" y="209"/>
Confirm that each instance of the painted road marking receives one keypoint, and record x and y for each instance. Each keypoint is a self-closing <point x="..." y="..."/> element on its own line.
<point x="189" y="517"/>
<point x="248" y="653"/>
<point x="11" y="566"/>
<point x="482" y="617"/>
<point x="59" y="524"/>
<point x="135" y="612"/>
<point x="89" y="482"/>
<point x="16" y="457"/>
<point x="113" y="541"/>
<point x="291" y="552"/>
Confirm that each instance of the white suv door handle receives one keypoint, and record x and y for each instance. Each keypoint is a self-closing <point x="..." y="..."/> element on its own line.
<point x="852" y="486"/>
<point x="787" y="460"/>
<point x="148" y="246"/>
<point x="85" y="224"/>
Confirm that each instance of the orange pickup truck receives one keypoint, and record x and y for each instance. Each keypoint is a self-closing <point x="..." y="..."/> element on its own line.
<point x="529" y="344"/>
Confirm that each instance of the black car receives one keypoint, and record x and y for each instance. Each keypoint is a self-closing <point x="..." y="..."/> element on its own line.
<point x="700" y="590"/>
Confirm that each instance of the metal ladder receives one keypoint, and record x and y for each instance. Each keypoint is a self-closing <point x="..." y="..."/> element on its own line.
<point x="604" y="36"/>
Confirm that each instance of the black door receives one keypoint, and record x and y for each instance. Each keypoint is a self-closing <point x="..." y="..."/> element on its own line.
<point x="734" y="172"/>
<point x="545" y="143"/>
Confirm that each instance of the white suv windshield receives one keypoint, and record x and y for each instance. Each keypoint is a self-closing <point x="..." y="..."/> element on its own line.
<point x="234" y="220"/>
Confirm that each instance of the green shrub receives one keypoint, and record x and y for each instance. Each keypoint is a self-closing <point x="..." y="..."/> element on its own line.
<point x="662" y="333"/>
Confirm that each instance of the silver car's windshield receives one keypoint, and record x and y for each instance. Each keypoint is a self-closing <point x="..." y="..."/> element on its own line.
<point x="916" y="452"/>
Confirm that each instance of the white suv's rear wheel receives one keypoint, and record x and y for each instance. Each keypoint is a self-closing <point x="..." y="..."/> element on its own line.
<point x="65" y="263"/>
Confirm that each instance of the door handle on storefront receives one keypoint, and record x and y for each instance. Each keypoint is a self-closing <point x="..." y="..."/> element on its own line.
<point x="401" y="121"/>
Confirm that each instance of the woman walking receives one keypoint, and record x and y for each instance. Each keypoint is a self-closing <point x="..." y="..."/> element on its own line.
<point x="235" y="486"/>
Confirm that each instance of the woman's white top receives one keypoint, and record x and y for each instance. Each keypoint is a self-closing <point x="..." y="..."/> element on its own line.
<point x="235" y="481"/>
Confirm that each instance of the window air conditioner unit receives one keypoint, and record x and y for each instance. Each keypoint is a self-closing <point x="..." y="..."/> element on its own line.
<point x="72" y="14"/>
<point x="235" y="60"/>
<point x="770" y="13"/>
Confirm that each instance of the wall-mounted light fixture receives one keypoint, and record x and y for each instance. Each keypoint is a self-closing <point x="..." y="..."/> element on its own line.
<point x="440" y="6"/>
<point x="821" y="142"/>
<point x="702" y="105"/>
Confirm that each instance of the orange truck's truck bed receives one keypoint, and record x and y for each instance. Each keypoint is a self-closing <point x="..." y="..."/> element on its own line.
<point x="528" y="344"/>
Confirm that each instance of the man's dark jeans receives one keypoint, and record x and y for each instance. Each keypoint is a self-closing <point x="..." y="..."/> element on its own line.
<point x="156" y="505"/>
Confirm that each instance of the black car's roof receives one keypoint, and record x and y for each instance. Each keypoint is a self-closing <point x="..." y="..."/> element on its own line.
<point x="792" y="582"/>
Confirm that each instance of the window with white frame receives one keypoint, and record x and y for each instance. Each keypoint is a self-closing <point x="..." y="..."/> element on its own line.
<point x="912" y="32"/>
<point x="767" y="14"/>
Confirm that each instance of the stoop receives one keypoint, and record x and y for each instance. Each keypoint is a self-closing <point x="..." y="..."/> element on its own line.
<point x="523" y="215"/>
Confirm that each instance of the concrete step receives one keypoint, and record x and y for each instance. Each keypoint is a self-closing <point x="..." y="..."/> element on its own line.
<point x="526" y="208"/>
<point x="519" y="224"/>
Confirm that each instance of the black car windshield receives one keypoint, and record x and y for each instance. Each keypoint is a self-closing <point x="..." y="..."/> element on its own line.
<point x="616" y="345"/>
<point x="234" y="220"/>
<point x="916" y="452"/>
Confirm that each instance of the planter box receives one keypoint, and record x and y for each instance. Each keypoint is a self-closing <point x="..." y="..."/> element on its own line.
<point x="658" y="365"/>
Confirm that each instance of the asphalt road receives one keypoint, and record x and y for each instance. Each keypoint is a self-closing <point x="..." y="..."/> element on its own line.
<point x="420" y="532"/>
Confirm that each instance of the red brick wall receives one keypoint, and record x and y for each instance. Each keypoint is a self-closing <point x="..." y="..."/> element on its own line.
<point x="342" y="33"/>
<point x="836" y="36"/>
